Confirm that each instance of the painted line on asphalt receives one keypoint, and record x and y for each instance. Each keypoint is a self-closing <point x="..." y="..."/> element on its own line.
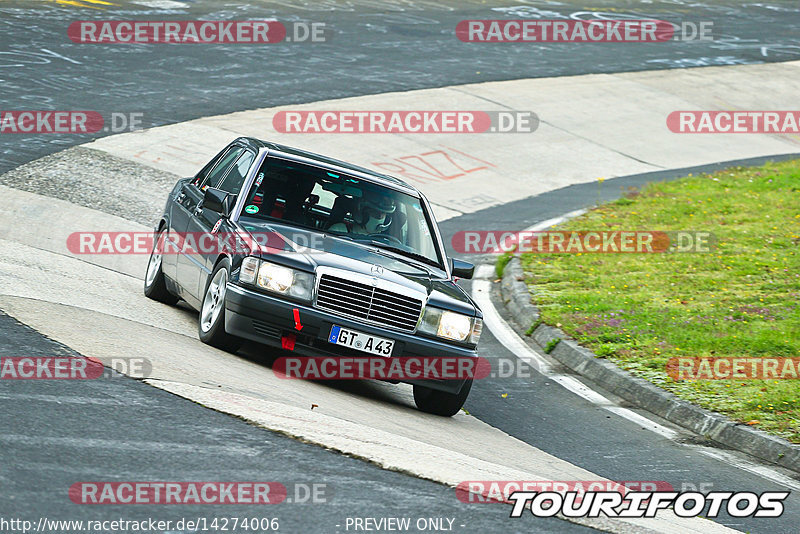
<point x="510" y="340"/>
<point x="535" y="228"/>
<point x="751" y="467"/>
<point x="508" y="337"/>
<point x="555" y="220"/>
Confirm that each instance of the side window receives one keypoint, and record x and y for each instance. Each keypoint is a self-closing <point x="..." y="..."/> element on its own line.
<point x="219" y="170"/>
<point x="232" y="183"/>
<point x="201" y="176"/>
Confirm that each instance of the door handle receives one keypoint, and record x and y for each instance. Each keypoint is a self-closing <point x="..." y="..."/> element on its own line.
<point x="180" y="197"/>
<point x="198" y="210"/>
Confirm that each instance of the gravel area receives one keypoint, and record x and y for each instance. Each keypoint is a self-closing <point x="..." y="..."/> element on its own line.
<point x="96" y="180"/>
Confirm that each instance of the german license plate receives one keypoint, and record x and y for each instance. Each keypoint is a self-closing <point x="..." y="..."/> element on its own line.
<point x="361" y="341"/>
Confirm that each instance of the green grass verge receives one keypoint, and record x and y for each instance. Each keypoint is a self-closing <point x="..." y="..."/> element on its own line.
<point x="742" y="299"/>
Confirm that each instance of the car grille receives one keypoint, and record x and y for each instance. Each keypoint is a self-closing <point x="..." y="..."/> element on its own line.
<point x="372" y="304"/>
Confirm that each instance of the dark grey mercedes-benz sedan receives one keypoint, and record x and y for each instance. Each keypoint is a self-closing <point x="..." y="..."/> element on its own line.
<point x="318" y="257"/>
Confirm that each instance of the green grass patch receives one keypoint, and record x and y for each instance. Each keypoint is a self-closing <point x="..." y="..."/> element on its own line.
<point x="552" y="344"/>
<point x="532" y="328"/>
<point x="500" y="266"/>
<point x="742" y="299"/>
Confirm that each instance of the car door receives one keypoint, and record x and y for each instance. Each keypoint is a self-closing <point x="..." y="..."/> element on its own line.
<point x="203" y="220"/>
<point x="178" y="215"/>
<point x="190" y="270"/>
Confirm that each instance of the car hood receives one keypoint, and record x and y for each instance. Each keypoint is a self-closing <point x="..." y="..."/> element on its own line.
<point x="306" y="249"/>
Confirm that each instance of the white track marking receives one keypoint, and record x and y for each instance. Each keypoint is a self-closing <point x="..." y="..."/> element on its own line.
<point x="161" y="4"/>
<point x="516" y="345"/>
<point x="751" y="467"/>
<point x="646" y="422"/>
<point x="510" y="340"/>
<point x="555" y="220"/>
<point x="503" y="332"/>
<point x="509" y="243"/>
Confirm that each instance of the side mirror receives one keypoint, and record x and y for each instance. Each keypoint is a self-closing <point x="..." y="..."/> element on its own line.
<point x="219" y="201"/>
<point x="462" y="269"/>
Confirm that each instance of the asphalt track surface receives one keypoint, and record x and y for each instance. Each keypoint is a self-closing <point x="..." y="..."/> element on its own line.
<point x="121" y="429"/>
<point x="130" y="431"/>
<point x="47" y="428"/>
<point x="375" y="46"/>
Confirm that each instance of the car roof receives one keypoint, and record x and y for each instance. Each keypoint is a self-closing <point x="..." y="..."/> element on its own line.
<point x="298" y="154"/>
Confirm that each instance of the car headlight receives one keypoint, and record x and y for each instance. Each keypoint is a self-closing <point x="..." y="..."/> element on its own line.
<point x="277" y="278"/>
<point x="451" y="325"/>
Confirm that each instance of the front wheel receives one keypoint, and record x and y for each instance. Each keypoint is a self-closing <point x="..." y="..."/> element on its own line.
<point x="211" y="325"/>
<point x="439" y="402"/>
<point x="154" y="285"/>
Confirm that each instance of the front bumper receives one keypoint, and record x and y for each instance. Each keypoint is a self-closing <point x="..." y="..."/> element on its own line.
<point x="267" y="319"/>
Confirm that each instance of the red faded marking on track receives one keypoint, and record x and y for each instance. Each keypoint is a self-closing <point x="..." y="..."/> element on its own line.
<point x="434" y="166"/>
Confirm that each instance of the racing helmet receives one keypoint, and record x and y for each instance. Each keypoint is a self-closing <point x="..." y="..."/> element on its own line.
<point x="373" y="208"/>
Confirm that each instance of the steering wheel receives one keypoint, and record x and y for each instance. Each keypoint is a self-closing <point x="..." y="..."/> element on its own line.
<point x="387" y="237"/>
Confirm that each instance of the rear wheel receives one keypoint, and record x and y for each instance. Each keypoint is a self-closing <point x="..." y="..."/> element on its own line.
<point x="211" y="324"/>
<point x="439" y="402"/>
<point x="154" y="285"/>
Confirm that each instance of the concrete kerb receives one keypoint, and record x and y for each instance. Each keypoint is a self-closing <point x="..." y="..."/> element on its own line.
<point x="516" y="297"/>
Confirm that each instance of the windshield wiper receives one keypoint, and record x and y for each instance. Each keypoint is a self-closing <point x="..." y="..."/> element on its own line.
<point x="403" y="252"/>
<point x="337" y="234"/>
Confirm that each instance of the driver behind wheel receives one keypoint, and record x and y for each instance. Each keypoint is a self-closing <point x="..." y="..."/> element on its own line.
<point x="371" y="215"/>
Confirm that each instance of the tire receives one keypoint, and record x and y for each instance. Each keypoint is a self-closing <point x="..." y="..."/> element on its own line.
<point x="211" y="321"/>
<point x="154" y="285"/>
<point x="440" y="403"/>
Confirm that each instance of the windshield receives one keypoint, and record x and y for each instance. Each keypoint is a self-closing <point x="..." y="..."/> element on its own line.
<point x="314" y="198"/>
